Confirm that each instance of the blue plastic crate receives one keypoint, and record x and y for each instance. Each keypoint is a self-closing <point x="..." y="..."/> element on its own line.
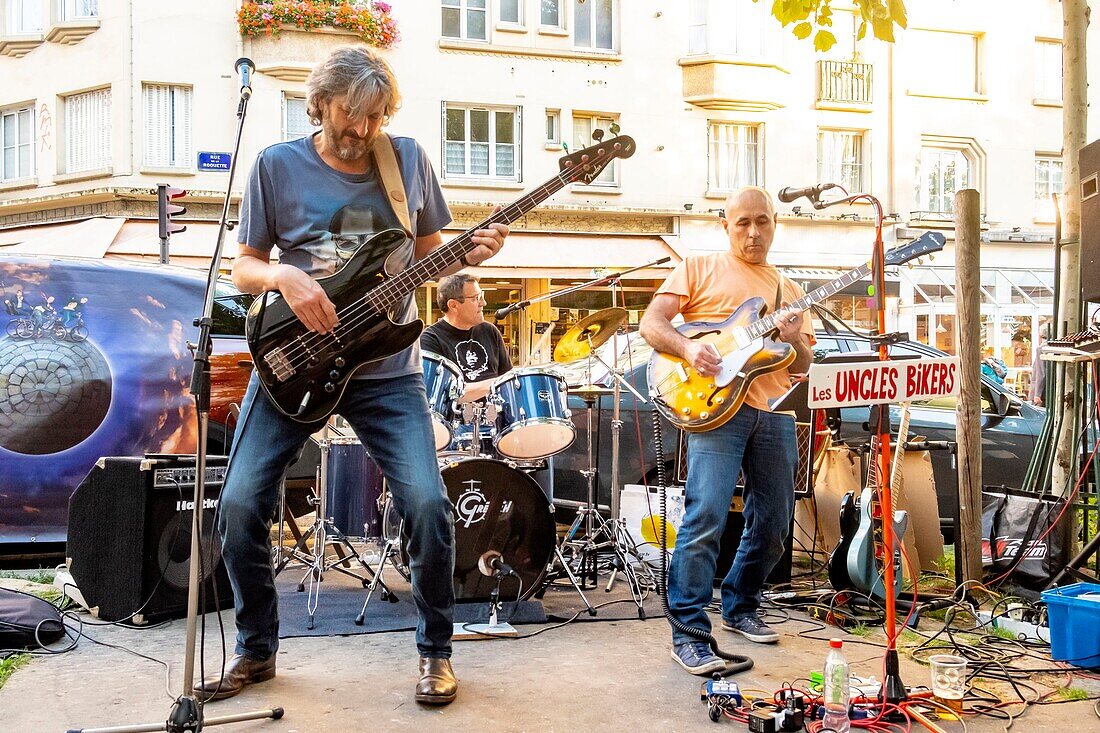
<point x="1074" y="621"/>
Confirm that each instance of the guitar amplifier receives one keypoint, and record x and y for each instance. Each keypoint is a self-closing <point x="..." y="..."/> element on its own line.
<point x="129" y="542"/>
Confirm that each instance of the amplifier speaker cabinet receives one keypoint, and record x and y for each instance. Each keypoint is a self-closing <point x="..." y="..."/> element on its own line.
<point x="1089" y="160"/>
<point x="129" y="540"/>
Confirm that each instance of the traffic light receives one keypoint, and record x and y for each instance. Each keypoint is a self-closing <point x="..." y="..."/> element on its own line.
<point x="166" y="210"/>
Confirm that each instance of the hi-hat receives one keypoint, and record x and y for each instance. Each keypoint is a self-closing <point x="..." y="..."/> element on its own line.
<point x="591" y="332"/>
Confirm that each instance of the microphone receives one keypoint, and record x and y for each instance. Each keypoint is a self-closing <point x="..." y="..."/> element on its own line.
<point x="245" y="67"/>
<point x="508" y="309"/>
<point x="492" y="563"/>
<point x="790" y="194"/>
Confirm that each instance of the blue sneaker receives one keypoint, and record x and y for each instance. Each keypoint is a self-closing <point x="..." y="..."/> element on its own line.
<point x="753" y="628"/>
<point x="697" y="658"/>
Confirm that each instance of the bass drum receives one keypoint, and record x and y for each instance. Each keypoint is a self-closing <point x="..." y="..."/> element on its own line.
<point x="497" y="508"/>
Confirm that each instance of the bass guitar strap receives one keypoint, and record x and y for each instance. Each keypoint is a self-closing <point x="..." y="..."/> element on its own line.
<point x="394" y="186"/>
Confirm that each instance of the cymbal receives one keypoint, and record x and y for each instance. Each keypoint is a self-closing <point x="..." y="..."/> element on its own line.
<point x="593" y="390"/>
<point x="596" y="328"/>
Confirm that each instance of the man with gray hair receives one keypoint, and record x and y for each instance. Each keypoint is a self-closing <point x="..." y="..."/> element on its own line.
<point x="314" y="199"/>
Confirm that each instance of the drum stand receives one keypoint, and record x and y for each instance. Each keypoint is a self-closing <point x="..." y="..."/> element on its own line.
<point x="389" y="554"/>
<point x="625" y="555"/>
<point x="324" y="533"/>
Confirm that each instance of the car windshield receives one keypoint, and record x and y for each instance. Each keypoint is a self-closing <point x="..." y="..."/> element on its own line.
<point x="230" y="309"/>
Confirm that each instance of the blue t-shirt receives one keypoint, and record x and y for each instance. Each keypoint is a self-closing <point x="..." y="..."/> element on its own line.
<point x="318" y="216"/>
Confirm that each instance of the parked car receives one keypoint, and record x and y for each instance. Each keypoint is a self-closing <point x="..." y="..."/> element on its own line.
<point x="1010" y="427"/>
<point x="94" y="362"/>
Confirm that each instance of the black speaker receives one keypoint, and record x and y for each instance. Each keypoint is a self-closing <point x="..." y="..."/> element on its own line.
<point x="1089" y="160"/>
<point x="129" y="539"/>
<point x="731" y="540"/>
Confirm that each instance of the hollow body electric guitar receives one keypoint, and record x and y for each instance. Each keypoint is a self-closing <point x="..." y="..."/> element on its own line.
<point x="747" y="345"/>
<point x="305" y="373"/>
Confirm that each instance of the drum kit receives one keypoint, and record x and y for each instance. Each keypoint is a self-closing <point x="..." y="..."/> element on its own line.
<point x="488" y="450"/>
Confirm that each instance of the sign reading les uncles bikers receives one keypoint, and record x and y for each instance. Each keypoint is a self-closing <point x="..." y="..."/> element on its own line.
<point x="881" y="382"/>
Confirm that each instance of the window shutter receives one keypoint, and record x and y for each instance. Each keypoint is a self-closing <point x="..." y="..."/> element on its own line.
<point x="182" y="126"/>
<point x="88" y="131"/>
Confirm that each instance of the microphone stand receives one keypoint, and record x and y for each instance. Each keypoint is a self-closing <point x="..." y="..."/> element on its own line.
<point x="893" y="689"/>
<point x="612" y="278"/>
<point x="187" y="711"/>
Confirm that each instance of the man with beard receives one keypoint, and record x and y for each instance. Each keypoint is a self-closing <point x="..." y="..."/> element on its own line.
<point x="295" y="191"/>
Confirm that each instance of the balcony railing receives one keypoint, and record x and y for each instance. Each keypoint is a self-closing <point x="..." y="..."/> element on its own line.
<point x="844" y="82"/>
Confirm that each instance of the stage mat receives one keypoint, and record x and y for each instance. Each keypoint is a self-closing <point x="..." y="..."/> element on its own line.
<point x="342" y="597"/>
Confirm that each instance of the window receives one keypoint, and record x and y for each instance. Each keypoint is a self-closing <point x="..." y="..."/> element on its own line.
<point x="553" y="127"/>
<point x="1048" y="180"/>
<point x="840" y="159"/>
<point x="947" y="63"/>
<point x="79" y="9"/>
<point x="296" y="122"/>
<point x="167" y="126"/>
<point x="16" y="143"/>
<point x="465" y="19"/>
<point x="734" y="156"/>
<point x="550" y="14"/>
<point x="1048" y="70"/>
<point x="594" y="24"/>
<point x="726" y="27"/>
<point x="943" y="172"/>
<point x="24" y="16"/>
<point x="481" y="142"/>
<point x="583" y="127"/>
<point x="511" y="11"/>
<point x="88" y="131"/>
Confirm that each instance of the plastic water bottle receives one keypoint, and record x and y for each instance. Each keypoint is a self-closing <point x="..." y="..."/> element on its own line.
<point x="837" y="690"/>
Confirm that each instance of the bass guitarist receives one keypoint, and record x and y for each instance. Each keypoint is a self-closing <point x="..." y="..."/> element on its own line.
<point x="757" y="441"/>
<point x="315" y="200"/>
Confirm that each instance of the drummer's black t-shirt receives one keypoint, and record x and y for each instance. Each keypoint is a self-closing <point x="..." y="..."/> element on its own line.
<point x="479" y="351"/>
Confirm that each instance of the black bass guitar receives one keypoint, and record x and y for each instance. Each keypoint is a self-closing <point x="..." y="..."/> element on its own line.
<point x="838" y="558"/>
<point x="305" y="373"/>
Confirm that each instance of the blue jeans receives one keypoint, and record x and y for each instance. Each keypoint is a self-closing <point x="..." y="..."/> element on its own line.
<point x="390" y="416"/>
<point x="763" y="444"/>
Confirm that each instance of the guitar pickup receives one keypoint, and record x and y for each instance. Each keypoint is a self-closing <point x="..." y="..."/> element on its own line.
<point x="279" y="364"/>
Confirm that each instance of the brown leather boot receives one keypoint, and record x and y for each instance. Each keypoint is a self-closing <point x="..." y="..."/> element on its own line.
<point x="437" y="685"/>
<point x="240" y="672"/>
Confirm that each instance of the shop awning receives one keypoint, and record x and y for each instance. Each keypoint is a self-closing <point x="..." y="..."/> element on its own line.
<point x="89" y="238"/>
<point x="528" y="254"/>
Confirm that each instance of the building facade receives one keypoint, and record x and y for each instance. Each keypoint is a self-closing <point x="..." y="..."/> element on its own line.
<point x="103" y="99"/>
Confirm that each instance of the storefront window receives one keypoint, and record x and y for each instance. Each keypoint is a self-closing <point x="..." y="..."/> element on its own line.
<point x="566" y="310"/>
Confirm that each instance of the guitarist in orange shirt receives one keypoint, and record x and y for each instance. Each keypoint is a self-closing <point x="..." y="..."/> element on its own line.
<point x="754" y="440"/>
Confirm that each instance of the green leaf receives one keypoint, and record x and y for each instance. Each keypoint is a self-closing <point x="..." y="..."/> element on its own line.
<point x="862" y="32"/>
<point x="802" y="31"/>
<point x="898" y="14"/>
<point x="824" y="40"/>
<point x="883" y="28"/>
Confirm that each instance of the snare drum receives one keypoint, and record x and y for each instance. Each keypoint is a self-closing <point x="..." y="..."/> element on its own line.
<point x="353" y="485"/>
<point x="534" y="421"/>
<point x="443" y="382"/>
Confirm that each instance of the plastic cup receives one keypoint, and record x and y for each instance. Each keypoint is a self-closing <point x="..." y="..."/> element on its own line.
<point x="948" y="679"/>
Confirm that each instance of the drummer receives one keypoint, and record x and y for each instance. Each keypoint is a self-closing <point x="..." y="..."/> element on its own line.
<point x="465" y="337"/>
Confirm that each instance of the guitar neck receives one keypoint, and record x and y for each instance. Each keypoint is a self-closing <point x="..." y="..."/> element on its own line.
<point x="768" y="322"/>
<point x="396" y="288"/>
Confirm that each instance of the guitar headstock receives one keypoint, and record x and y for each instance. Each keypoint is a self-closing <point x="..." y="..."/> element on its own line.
<point x="584" y="165"/>
<point x="926" y="244"/>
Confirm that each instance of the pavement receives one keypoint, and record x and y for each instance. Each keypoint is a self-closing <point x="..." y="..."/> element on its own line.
<point x="595" y="676"/>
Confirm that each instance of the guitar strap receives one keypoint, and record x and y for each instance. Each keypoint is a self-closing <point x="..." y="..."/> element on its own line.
<point x="386" y="160"/>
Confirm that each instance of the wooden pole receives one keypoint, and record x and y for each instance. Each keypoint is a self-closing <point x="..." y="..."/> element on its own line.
<point x="1075" y="19"/>
<point x="968" y="535"/>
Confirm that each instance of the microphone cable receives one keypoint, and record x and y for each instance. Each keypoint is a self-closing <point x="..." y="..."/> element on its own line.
<point x="737" y="662"/>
